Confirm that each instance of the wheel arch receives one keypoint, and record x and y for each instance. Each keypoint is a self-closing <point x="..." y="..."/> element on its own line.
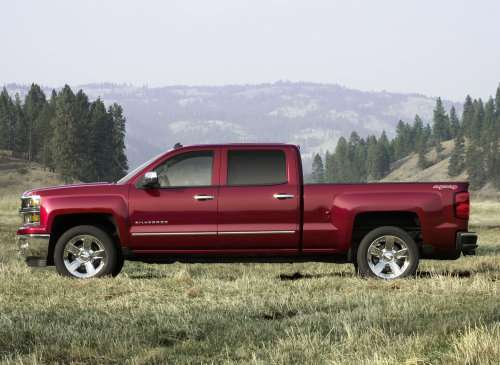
<point x="365" y="222"/>
<point x="63" y="222"/>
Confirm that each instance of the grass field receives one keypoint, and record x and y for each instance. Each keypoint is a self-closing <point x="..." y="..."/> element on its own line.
<point x="252" y="313"/>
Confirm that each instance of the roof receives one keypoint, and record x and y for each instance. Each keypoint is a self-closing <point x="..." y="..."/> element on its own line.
<point x="241" y="145"/>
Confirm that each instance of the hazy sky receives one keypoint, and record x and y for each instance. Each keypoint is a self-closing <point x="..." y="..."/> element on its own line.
<point x="447" y="48"/>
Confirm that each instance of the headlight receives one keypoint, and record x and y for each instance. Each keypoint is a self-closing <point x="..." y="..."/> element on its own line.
<point x="31" y="202"/>
<point x="30" y="209"/>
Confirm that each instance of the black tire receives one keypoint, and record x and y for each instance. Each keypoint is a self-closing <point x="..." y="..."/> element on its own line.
<point x="382" y="235"/>
<point x="120" y="261"/>
<point x="111" y="264"/>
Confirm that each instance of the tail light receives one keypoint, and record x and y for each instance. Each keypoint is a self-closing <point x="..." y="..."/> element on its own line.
<point x="462" y="205"/>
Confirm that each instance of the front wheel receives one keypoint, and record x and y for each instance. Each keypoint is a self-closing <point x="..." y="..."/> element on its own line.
<point x="387" y="253"/>
<point x="86" y="252"/>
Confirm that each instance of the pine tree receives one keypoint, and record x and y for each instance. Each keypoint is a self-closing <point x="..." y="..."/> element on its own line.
<point x="454" y="123"/>
<point x="489" y="138"/>
<point x="357" y="158"/>
<point x="64" y="136"/>
<point x="403" y="142"/>
<point x="120" y="162"/>
<point x="45" y="132"/>
<point x="467" y="117"/>
<point x="497" y="101"/>
<point x="360" y="155"/>
<point x="475" y="166"/>
<point x="441" y="123"/>
<point x="342" y="163"/>
<point x="100" y="142"/>
<point x="477" y="120"/>
<point x="383" y="155"/>
<point x="422" y="162"/>
<point x="82" y="131"/>
<point x="318" y="172"/>
<point x="34" y="104"/>
<point x="329" y="167"/>
<point x="495" y="174"/>
<point x="378" y="158"/>
<point x="7" y="121"/>
<point x="418" y="133"/>
<point x="457" y="159"/>
<point x="20" y="146"/>
<point x="5" y="117"/>
<point x="371" y="164"/>
<point x="422" y="135"/>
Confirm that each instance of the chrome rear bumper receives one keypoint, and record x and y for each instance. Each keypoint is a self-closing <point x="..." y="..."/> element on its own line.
<point x="34" y="248"/>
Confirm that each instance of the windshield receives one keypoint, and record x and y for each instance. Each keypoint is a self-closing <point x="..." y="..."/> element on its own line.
<point x="132" y="173"/>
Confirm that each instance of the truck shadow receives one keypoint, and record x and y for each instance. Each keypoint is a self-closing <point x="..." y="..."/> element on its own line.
<point x="298" y="276"/>
<point x="301" y="276"/>
<point x="420" y="274"/>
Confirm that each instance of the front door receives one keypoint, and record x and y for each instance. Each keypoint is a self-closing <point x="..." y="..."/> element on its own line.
<point x="259" y="200"/>
<point x="181" y="214"/>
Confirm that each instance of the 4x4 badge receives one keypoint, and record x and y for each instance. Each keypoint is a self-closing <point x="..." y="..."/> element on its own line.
<point x="445" y="187"/>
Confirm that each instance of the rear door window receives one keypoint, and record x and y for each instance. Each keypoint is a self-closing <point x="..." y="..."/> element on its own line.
<point x="256" y="167"/>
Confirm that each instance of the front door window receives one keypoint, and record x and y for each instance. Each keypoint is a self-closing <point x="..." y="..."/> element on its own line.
<point x="189" y="169"/>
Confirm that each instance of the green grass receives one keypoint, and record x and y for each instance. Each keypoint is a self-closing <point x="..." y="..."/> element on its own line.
<point x="251" y="313"/>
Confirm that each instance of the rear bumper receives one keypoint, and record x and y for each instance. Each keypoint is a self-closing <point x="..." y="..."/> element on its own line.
<point x="467" y="243"/>
<point x="34" y="248"/>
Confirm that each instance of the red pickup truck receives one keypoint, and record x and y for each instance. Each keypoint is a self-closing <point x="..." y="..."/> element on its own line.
<point x="242" y="202"/>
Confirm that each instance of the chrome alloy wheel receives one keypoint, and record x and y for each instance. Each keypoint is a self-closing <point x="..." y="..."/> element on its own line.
<point x="84" y="256"/>
<point x="388" y="257"/>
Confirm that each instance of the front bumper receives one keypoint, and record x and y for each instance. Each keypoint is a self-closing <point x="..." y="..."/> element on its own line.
<point x="34" y="248"/>
<point x="467" y="243"/>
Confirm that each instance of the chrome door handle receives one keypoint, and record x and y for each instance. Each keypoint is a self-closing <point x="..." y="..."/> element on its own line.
<point x="203" y="197"/>
<point x="283" y="196"/>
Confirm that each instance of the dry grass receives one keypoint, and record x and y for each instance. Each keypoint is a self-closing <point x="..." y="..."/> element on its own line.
<point x="485" y="214"/>
<point x="305" y="313"/>
<point x="252" y="313"/>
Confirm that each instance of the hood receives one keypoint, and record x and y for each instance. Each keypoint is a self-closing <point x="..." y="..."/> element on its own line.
<point x="50" y="190"/>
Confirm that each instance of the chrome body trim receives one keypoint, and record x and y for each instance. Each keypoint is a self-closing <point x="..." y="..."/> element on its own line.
<point x="136" y="234"/>
<point x="34" y="248"/>
<point x="255" y="232"/>
<point x="174" y="234"/>
<point x="29" y="210"/>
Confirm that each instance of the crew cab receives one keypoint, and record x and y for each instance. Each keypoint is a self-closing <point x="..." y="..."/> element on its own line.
<point x="242" y="202"/>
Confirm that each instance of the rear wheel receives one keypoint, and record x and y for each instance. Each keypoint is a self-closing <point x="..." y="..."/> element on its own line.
<point x="86" y="252"/>
<point x="387" y="253"/>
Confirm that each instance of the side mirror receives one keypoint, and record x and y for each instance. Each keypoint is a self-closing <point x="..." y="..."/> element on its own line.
<point x="151" y="180"/>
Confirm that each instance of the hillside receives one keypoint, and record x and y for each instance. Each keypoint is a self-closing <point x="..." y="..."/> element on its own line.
<point x="407" y="170"/>
<point x="17" y="176"/>
<point x="311" y="115"/>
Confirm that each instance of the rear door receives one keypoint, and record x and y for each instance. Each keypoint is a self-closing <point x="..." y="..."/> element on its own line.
<point x="259" y="199"/>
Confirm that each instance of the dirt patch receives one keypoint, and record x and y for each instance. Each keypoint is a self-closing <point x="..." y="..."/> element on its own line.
<point x="297" y="276"/>
<point x="277" y="316"/>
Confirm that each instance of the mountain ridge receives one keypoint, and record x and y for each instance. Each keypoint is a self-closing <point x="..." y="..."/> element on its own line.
<point x="312" y="115"/>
